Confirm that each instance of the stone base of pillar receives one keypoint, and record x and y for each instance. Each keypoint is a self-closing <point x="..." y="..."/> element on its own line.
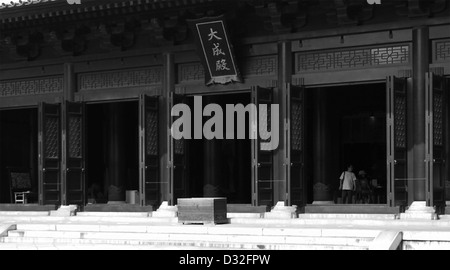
<point x="280" y="211"/>
<point x="65" y="211"/>
<point x="322" y="202"/>
<point x="419" y="210"/>
<point x="166" y="211"/>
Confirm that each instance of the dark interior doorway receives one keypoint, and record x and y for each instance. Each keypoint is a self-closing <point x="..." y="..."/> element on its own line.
<point x="18" y="150"/>
<point x="112" y="151"/>
<point x="221" y="167"/>
<point x="347" y="125"/>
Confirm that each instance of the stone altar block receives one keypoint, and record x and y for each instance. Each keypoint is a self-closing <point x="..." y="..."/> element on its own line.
<point x="202" y="210"/>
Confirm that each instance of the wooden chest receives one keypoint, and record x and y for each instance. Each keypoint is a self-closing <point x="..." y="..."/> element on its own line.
<point x="202" y="210"/>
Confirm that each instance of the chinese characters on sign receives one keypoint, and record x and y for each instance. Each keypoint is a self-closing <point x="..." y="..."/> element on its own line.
<point x="216" y="51"/>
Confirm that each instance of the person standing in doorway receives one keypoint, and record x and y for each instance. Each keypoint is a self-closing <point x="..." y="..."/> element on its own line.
<point x="347" y="184"/>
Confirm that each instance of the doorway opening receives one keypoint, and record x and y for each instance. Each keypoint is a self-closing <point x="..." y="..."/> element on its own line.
<point x="18" y="154"/>
<point x="347" y="125"/>
<point x="112" y="151"/>
<point x="221" y="168"/>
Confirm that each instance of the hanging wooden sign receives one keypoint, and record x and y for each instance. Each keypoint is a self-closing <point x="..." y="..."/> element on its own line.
<point x="215" y="50"/>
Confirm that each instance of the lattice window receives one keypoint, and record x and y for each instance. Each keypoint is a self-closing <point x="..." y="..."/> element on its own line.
<point x="297" y="126"/>
<point x="438" y="114"/>
<point x="265" y="126"/>
<point x="52" y="137"/>
<point x="179" y="147"/>
<point x="400" y="122"/>
<point x="75" y="137"/>
<point x="151" y="129"/>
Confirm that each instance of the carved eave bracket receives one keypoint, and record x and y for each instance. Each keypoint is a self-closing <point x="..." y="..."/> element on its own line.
<point x="351" y="12"/>
<point x="420" y="8"/>
<point x="24" y="45"/>
<point x="170" y="30"/>
<point x="69" y="41"/>
<point x="124" y="34"/>
<point x="282" y="16"/>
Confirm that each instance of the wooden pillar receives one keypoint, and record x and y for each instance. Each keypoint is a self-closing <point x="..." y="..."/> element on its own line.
<point x="69" y="82"/>
<point x="3" y="193"/>
<point x="33" y="147"/>
<point x="420" y="67"/>
<point x="321" y="147"/>
<point x="116" y="157"/>
<point x="281" y="154"/>
<point x="164" y="123"/>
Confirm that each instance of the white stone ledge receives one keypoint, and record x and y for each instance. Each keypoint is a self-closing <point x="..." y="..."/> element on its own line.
<point x="387" y="240"/>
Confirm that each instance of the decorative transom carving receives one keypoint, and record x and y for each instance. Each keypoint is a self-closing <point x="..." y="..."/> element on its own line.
<point x="352" y="58"/>
<point x="120" y="79"/>
<point x="191" y="72"/>
<point x="31" y="87"/>
<point x="260" y="66"/>
<point x="442" y="51"/>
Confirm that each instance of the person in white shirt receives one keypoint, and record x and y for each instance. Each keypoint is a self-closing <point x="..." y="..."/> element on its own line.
<point x="348" y="184"/>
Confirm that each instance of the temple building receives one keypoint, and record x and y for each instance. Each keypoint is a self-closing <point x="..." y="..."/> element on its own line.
<point x="87" y="89"/>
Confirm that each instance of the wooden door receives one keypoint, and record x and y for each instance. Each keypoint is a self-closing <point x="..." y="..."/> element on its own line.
<point x="49" y="149"/>
<point x="397" y="182"/>
<point x="151" y="186"/>
<point x="177" y="156"/>
<point x="436" y="138"/>
<point x="295" y="145"/>
<point x="262" y="159"/>
<point x="73" y="154"/>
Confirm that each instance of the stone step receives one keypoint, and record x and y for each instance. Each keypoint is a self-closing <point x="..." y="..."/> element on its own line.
<point x="31" y="246"/>
<point x="348" y="216"/>
<point x="203" y="230"/>
<point x="247" y="208"/>
<point x="342" y="222"/>
<point x="27" y="207"/>
<point x="117" y="208"/>
<point x="25" y="244"/>
<point x="425" y="245"/>
<point x="352" y="208"/>
<point x="119" y="219"/>
<point x="114" y="214"/>
<point x="424" y="235"/>
<point x="145" y="238"/>
<point x="25" y="213"/>
<point x="245" y="215"/>
<point x="418" y="216"/>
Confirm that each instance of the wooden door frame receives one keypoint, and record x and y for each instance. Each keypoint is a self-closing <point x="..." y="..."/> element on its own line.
<point x="337" y="84"/>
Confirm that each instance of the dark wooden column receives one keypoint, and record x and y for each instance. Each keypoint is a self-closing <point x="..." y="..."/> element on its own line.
<point x="420" y="67"/>
<point x="116" y="148"/>
<point x="321" y="147"/>
<point x="69" y="82"/>
<point x="211" y="162"/>
<point x="3" y="190"/>
<point x="284" y="77"/>
<point x="164" y="121"/>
